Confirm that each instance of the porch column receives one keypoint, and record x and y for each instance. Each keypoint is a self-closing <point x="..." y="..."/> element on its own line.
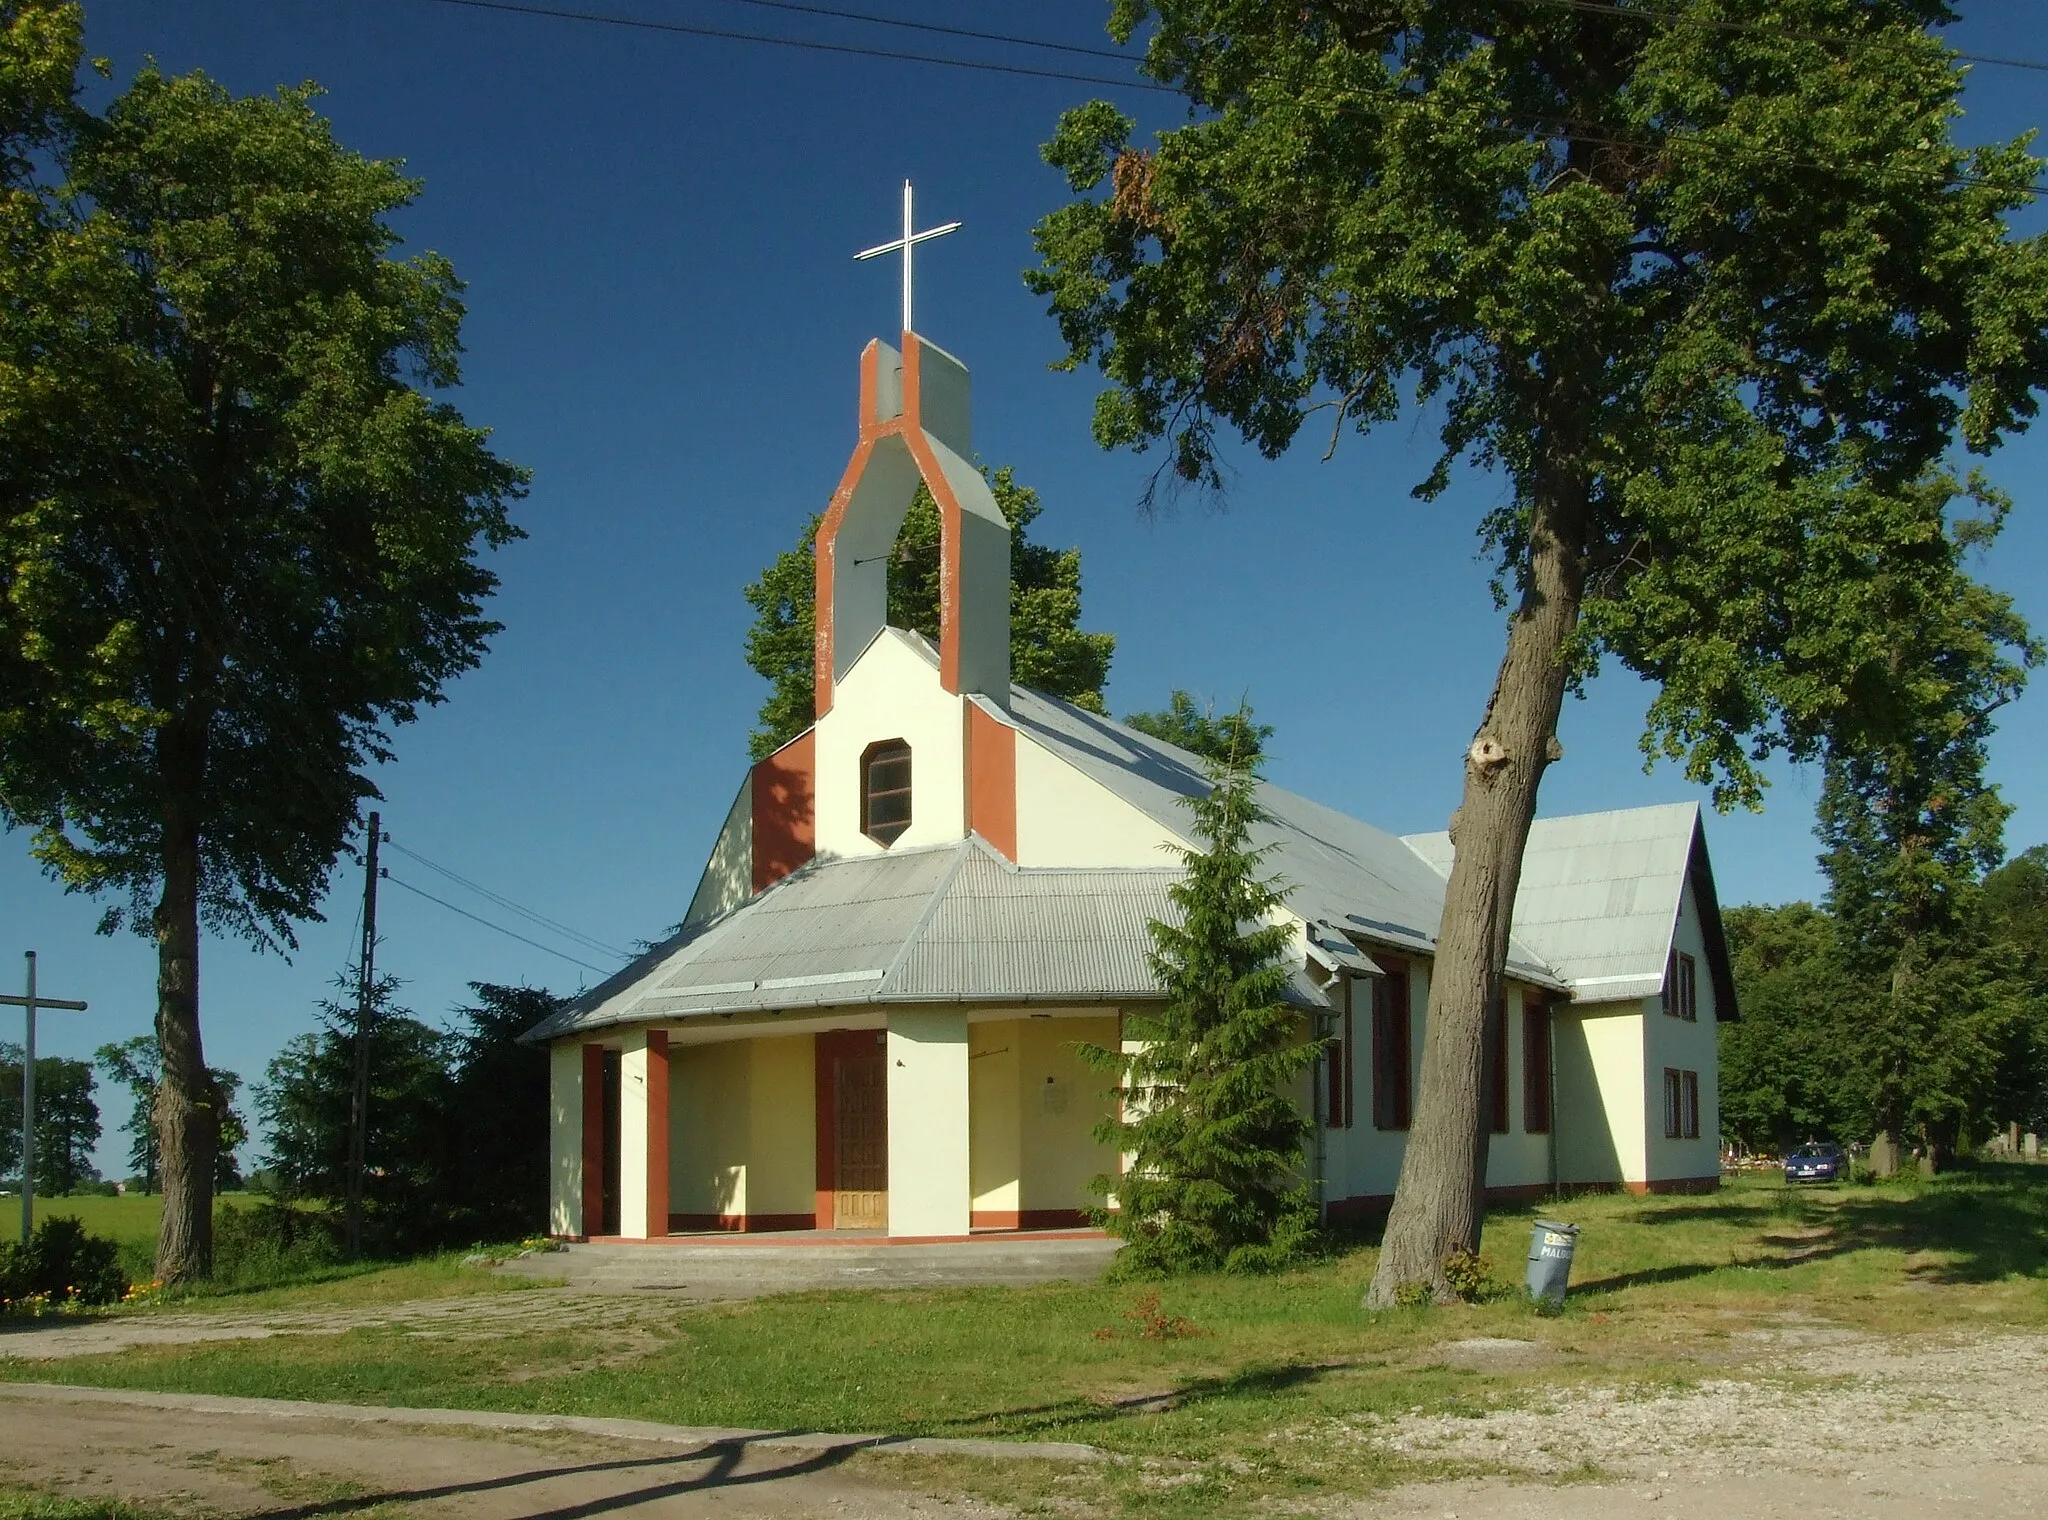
<point x="930" y="1192"/>
<point x="565" y="1139"/>
<point x="643" y="1135"/>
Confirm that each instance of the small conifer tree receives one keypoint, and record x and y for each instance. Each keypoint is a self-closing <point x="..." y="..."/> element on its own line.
<point x="1214" y="1142"/>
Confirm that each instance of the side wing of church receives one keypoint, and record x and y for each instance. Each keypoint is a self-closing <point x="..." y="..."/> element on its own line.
<point x="917" y="909"/>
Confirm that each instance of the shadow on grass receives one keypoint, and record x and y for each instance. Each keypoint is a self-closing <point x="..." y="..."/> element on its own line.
<point x="1977" y="1224"/>
<point x="724" y="1470"/>
<point x="1076" y="1415"/>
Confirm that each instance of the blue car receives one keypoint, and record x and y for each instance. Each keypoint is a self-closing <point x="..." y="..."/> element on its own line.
<point x="1817" y="1162"/>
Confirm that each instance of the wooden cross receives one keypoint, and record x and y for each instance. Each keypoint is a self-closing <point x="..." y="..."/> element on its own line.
<point x="910" y="239"/>
<point x="29" y="1004"/>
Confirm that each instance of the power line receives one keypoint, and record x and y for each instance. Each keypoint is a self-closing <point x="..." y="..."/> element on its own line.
<point x="510" y="933"/>
<point x="639" y="23"/>
<point x="869" y="18"/>
<point x="1752" y="28"/>
<point x="577" y="935"/>
<point x="1675" y="139"/>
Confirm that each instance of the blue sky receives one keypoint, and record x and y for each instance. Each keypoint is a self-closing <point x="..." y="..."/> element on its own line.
<point x="664" y="320"/>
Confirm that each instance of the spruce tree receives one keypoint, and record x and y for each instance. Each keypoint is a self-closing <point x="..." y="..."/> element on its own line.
<point x="1214" y="1142"/>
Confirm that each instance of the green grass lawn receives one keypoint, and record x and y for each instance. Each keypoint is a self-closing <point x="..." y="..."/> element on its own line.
<point x="1661" y="1291"/>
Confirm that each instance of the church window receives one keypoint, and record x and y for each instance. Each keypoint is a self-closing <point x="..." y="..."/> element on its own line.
<point x="1535" y="1067"/>
<point x="1338" y="1063"/>
<point x="1497" y="1065"/>
<point x="1390" y="1050"/>
<point x="885" y="791"/>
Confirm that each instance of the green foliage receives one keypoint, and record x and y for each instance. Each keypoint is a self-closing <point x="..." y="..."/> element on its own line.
<point x="60" y="1264"/>
<point x="67" y="1120"/>
<point x="457" y="1144"/>
<point x="1711" y="335"/>
<point x="1215" y="1141"/>
<point x="1197" y="729"/>
<point x="273" y="1242"/>
<point x="1787" y="1069"/>
<point x="1048" y="650"/>
<point x="236" y="541"/>
<point x="137" y="1065"/>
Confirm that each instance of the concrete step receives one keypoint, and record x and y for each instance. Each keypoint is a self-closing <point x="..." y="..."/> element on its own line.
<point x="747" y="1270"/>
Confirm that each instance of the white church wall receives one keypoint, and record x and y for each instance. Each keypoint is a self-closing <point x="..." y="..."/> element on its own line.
<point x="892" y="692"/>
<point x="565" y="1138"/>
<point x="633" y="1129"/>
<point x="930" y="1189"/>
<point x="728" y="878"/>
<point x="1684" y="1045"/>
<point x="1518" y="1159"/>
<point x="1064" y="818"/>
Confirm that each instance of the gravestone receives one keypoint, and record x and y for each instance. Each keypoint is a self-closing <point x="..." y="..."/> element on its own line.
<point x="2031" y="1146"/>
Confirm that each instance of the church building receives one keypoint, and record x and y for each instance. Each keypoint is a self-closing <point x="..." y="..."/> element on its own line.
<point x="916" y="909"/>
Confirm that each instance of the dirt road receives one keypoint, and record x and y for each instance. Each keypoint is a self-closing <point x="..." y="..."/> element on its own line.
<point x="305" y="1469"/>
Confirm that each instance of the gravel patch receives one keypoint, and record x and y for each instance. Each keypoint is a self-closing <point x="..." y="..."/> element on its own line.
<point x="1835" y="1408"/>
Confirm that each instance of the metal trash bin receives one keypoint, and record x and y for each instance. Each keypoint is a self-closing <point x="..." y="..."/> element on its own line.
<point x="1551" y="1245"/>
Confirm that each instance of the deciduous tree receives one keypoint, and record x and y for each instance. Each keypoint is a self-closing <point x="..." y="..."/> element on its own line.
<point x="239" y="537"/>
<point x="1195" y="727"/>
<point x="1708" y="285"/>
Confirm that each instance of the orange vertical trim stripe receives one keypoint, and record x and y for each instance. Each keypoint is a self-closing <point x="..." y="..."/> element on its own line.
<point x="992" y="780"/>
<point x="657" y="1132"/>
<point x="784" y="804"/>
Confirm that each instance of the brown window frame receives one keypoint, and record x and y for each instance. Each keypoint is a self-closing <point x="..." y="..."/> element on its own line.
<point x="1392" y="1053"/>
<point x="1689" y="1105"/>
<point x="885" y="750"/>
<point x="1688" y="988"/>
<point x="1340" y="1059"/>
<point x="1673" y="1099"/>
<point x="1496" y="1073"/>
<point x="1536" y="1094"/>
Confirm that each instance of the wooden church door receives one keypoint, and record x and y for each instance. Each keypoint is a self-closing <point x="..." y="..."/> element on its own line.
<point x="860" y="1142"/>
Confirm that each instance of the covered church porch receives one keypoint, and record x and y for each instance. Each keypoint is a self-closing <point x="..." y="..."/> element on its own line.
<point x="902" y="1124"/>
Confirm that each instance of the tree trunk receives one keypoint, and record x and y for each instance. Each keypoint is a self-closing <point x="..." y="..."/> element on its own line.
<point x="187" y="1107"/>
<point x="1439" y="1202"/>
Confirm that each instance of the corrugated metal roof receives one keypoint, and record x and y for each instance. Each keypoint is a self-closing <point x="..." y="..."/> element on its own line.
<point x="946" y="923"/>
<point x="1332" y="867"/>
<point x="1600" y="894"/>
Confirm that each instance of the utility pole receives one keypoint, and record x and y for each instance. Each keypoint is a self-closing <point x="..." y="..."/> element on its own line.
<point x="359" y="1100"/>
<point x="29" y="1004"/>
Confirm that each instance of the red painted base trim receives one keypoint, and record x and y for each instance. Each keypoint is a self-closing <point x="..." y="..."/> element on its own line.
<point x="828" y="1240"/>
<point x="1028" y="1219"/>
<point x="741" y="1224"/>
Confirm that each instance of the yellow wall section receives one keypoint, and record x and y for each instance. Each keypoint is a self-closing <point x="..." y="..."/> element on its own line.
<point x="1600" y="1137"/>
<point x="565" y="1138"/>
<point x="994" y="1059"/>
<point x="782" y="1154"/>
<point x="710" y="1089"/>
<point x="1060" y="1104"/>
<point x="742" y="1127"/>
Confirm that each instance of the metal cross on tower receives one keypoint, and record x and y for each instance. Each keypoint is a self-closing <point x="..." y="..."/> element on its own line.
<point x="29" y="1004"/>
<point x="910" y="239"/>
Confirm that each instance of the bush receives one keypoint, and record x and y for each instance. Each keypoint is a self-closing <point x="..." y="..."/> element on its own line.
<point x="60" y="1264"/>
<point x="271" y="1242"/>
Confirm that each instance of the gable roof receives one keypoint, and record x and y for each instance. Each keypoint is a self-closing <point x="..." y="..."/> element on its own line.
<point x="947" y="923"/>
<point x="1600" y="896"/>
